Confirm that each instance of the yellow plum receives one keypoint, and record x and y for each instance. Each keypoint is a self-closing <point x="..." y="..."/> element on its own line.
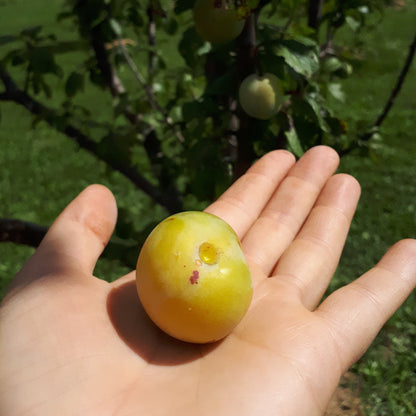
<point x="217" y="22"/>
<point x="192" y="277"/>
<point x="261" y="96"/>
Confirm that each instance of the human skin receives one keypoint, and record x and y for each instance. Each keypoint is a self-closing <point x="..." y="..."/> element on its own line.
<point x="72" y="344"/>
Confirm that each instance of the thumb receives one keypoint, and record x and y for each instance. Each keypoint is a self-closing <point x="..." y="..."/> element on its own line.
<point x="77" y="237"/>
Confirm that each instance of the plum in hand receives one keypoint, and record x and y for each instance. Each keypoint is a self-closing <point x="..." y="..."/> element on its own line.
<point x="192" y="277"/>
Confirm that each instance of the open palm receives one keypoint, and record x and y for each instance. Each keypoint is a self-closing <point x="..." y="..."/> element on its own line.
<point x="72" y="344"/>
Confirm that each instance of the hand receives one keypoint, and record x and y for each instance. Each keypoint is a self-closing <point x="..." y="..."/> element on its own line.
<point x="72" y="344"/>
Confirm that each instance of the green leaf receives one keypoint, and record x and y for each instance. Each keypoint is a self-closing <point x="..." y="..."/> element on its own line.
<point x="117" y="28"/>
<point x="74" y="84"/>
<point x="252" y="4"/>
<point x="113" y="150"/>
<point x="171" y="26"/>
<point x="134" y="16"/>
<point x="294" y="143"/>
<point x="16" y="58"/>
<point x="31" y="32"/>
<point x="193" y="109"/>
<point x="352" y="23"/>
<point x="337" y="126"/>
<point x="331" y="64"/>
<point x="189" y="47"/>
<point x="310" y="115"/>
<point x="335" y="89"/>
<point x="222" y="85"/>
<point x="95" y="76"/>
<point x="317" y="111"/>
<point x="300" y="58"/>
<point x="183" y="5"/>
<point x="274" y="64"/>
<point x="42" y="61"/>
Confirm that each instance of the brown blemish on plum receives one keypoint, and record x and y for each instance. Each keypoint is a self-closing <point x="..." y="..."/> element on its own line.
<point x="194" y="277"/>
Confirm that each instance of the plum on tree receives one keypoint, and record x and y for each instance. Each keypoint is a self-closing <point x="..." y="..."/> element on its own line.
<point x="261" y="96"/>
<point x="216" y="21"/>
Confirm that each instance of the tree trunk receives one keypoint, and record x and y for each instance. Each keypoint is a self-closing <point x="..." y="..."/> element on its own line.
<point x="314" y="13"/>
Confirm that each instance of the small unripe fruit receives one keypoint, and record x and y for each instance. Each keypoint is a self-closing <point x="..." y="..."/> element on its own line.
<point x="192" y="278"/>
<point x="215" y="23"/>
<point x="261" y="96"/>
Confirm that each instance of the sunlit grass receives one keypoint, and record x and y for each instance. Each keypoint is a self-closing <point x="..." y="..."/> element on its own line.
<point x="41" y="171"/>
<point x="387" y="210"/>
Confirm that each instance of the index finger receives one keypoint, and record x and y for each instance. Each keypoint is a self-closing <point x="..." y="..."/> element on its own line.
<point x="243" y="202"/>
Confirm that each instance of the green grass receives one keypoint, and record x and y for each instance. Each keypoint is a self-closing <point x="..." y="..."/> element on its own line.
<point x="387" y="210"/>
<point x="41" y="171"/>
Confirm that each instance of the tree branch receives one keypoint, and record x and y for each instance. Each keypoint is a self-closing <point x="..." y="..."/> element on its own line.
<point x="399" y="84"/>
<point x="151" y="35"/>
<point x="107" y="70"/>
<point x="30" y="234"/>
<point x="114" y="83"/>
<point x="152" y="144"/>
<point x="109" y="73"/>
<point x="394" y="93"/>
<point x="149" y="93"/>
<point x="314" y="13"/>
<point x="248" y="63"/>
<point x="13" y="93"/>
<point x="21" y="232"/>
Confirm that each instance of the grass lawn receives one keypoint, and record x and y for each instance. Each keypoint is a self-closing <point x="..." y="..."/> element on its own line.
<point x="41" y="171"/>
<point x="387" y="211"/>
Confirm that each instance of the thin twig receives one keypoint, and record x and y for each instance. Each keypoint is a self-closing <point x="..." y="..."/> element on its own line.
<point x="109" y="73"/>
<point x="399" y="84"/>
<point x="151" y="35"/>
<point x="21" y="232"/>
<point x="149" y="93"/>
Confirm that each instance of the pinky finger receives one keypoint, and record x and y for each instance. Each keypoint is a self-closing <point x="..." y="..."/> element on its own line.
<point x="357" y="312"/>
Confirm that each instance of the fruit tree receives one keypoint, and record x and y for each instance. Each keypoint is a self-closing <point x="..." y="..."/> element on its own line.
<point x="169" y="74"/>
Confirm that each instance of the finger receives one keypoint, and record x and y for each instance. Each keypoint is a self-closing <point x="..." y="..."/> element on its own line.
<point x="356" y="313"/>
<point x="288" y="208"/>
<point x="124" y="279"/>
<point x="311" y="260"/>
<point x="242" y="203"/>
<point x="77" y="237"/>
